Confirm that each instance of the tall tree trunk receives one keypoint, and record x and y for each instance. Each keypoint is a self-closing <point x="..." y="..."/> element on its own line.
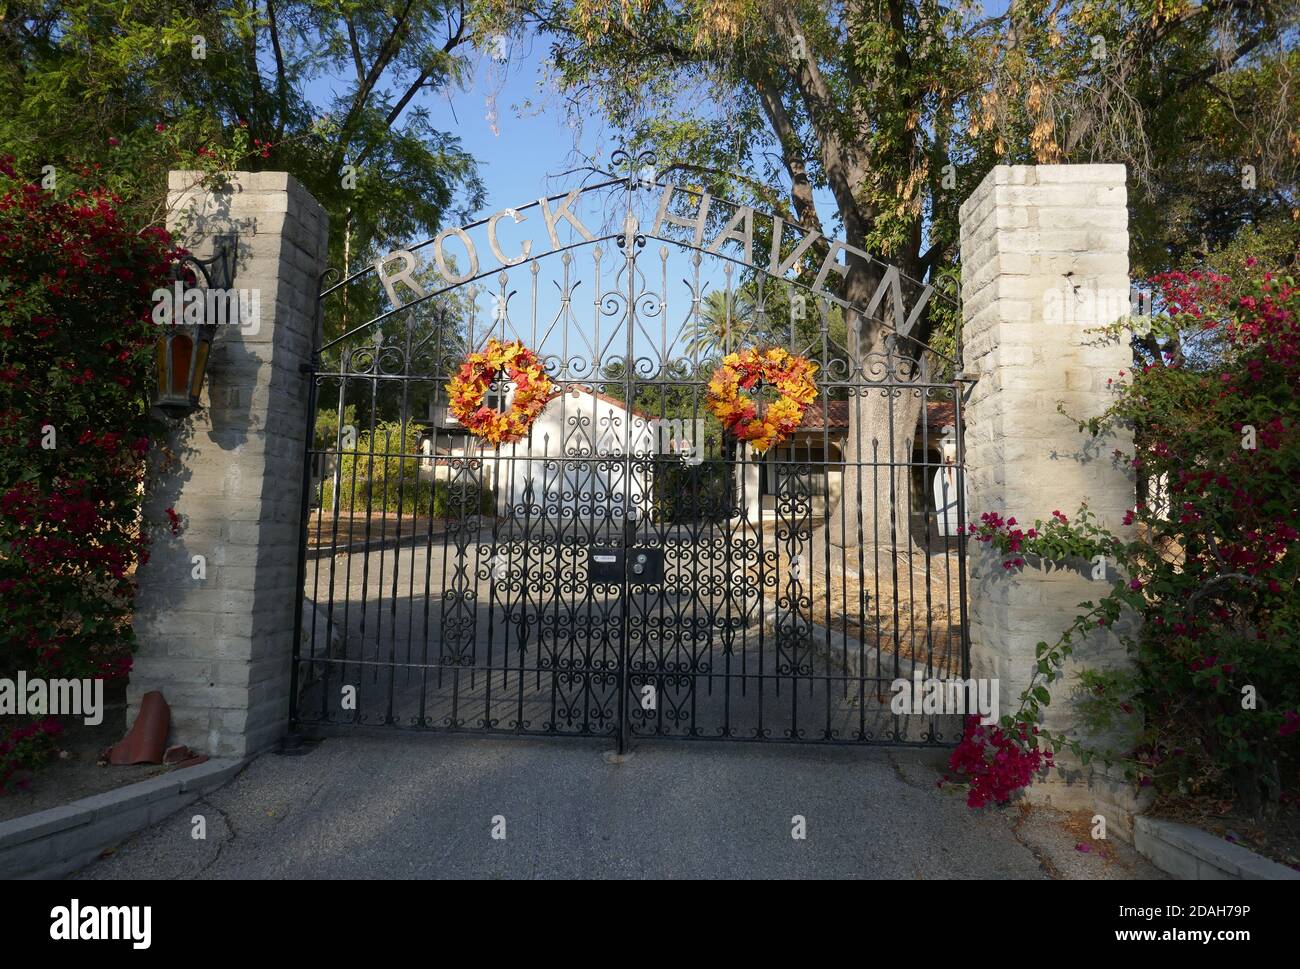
<point x="875" y="508"/>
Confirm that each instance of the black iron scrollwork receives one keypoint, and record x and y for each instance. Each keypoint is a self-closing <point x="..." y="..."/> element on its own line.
<point x="461" y="586"/>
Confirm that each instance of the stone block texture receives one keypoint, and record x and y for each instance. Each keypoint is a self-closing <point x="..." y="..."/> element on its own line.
<point x="219" y="647"/>
<point x="1044" y="252"/>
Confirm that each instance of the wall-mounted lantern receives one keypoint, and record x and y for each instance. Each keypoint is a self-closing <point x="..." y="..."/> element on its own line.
<point x="190" y="323"/>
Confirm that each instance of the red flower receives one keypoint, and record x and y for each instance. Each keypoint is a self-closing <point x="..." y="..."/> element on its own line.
<point x="1290" y="724"/>
<point x="994" y="763"/>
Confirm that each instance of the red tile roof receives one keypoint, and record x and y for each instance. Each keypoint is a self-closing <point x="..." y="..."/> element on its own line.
<point x="815" y="415"/>
<point x="576" y="389"/>
<point x="938" y="414"/>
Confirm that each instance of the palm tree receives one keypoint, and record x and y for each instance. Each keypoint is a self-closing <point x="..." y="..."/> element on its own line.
<point x="724" y="322"/>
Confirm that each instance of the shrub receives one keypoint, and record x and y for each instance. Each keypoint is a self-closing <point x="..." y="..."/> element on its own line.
<point x="448" y="501"/>
<point x="327" y="426"/>
<point x="412" y="497"/>
<point x="76" y="346"/>
<point x="1212" y="572"/>
<point x="26" y="748"/>
<point x="388" y="478"/>
<point x="454" y="501"/>
<point x="685" y="493"/>
<point x="996" y="762"/>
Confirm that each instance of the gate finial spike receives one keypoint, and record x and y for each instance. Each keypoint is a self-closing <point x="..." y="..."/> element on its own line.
<point x="630" y="229"/>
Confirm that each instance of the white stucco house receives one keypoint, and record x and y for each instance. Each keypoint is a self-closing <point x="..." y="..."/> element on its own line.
<point x="592" y="432"/>
<point x="573" y="463"/>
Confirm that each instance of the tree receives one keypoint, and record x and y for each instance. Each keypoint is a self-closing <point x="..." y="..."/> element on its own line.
<point x="131" y="89"/>
<point x="759" y="310"/>
<point x="897" y="108"/>
<point x="724" y="322"/>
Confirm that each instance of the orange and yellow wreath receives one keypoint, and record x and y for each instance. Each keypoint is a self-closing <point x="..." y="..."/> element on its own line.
<point x="789" y="375"/>
<point x="467" y="391"/>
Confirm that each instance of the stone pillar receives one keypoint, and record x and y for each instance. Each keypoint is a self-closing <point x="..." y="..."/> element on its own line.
<point x="219" y="647"/>
<point x="1044" y="252"/>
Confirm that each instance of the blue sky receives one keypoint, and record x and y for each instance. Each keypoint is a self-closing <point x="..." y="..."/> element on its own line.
<point x="531" y="144"/>
<point x="534" y="143"/>
<point x="526" y="144"/>
<point x="523" y="137"/>
<point x="513" y="161"/>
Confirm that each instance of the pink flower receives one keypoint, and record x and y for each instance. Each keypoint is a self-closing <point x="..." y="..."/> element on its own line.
<point x="1290" y="724"/>
<point x="995" y="763"/>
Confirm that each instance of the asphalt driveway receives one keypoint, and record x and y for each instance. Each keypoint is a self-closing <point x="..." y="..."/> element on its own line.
<point x="421" y="806"/>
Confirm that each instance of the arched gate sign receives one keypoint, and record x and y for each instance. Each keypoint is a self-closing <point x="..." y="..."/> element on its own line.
<point x="629" y="570"/>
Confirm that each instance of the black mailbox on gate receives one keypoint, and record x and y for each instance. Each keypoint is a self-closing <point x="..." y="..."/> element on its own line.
<point x="645" y="566"/>
<point x="605" y="566"/>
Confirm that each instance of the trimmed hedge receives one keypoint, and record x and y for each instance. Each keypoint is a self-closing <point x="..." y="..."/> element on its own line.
<point x="448" y="501"/>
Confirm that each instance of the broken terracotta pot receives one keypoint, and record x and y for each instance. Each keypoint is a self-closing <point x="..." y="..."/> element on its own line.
<point x="146" y="741"/>
<point x="180" y="756"/>
<point x="176" y="754"/>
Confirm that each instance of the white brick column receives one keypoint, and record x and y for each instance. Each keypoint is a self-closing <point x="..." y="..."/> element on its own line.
<point x="219" y="647"/>
<point x="1044" y="251"/>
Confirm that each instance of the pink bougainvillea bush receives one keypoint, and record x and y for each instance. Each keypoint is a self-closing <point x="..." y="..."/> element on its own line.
<point x="996" y="762"/>
<point x="26" y="747"/>
<point x="1211" y="563"/>
<point x="76" y="350"/>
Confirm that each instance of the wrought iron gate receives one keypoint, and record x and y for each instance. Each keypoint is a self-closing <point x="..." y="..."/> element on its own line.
<point x="627" y="570"/>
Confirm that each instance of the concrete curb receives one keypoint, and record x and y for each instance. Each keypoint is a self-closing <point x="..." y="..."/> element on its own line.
<point x="1189" y="853"/>
<point x="387" y="545"/>
<point x="56" y="842"/>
